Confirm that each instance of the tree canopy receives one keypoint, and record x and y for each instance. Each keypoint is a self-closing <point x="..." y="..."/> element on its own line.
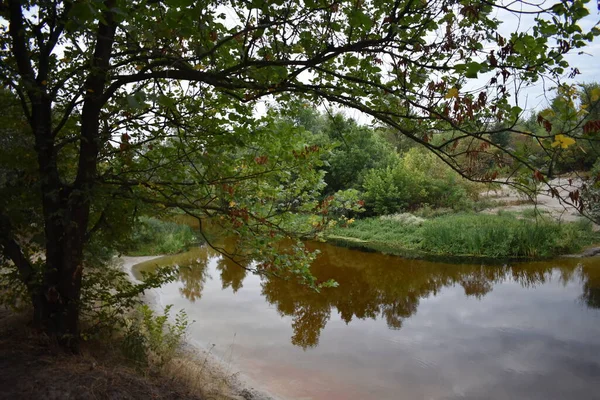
<point x="152" y="103"/>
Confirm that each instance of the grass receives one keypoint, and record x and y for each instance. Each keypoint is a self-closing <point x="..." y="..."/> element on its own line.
<point x="468" y="235"/>
<point x="152" y="236"/>
<point x="32" y="367"/>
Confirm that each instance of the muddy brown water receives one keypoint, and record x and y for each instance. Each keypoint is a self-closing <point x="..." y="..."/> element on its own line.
<point x="399" y="329"/>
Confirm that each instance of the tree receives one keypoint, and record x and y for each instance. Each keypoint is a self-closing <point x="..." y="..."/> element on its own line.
<point x="124" y="98"/>
<point x="349" y="149"/>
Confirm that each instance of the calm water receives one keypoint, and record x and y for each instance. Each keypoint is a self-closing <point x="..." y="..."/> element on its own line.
<point x="400" y="329"/>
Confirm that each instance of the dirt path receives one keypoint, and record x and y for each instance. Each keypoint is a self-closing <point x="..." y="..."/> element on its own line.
<point x="544" y="202"/>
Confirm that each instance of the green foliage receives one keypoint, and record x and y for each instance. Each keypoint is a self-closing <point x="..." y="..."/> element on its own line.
<point x="108" y="295"/>
<point x="358" y="150"/>
<point x="151" y="340"/>
<point x="502" y="236"/>
<point x="349" y="149"/>
<point x="557" y="141"/>
<point x="469" y="235"/>
<point x="417" y="178"/>
<point x="152" y="236"/>
<point x="385" y="231"/>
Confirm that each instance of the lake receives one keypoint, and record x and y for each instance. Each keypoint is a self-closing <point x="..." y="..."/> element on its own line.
<point x="398" y="328"/>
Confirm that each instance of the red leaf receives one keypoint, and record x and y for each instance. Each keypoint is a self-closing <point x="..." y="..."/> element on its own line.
<point x="591" y="127"/>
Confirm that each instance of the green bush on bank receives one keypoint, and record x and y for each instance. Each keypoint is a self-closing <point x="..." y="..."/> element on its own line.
<point x="152" y="236"/>
<point x="417" y="178"/>
<point x="150" y="340"/>
<point x="474" y="235"/>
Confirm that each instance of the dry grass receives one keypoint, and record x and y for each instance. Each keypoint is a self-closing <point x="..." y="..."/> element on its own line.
<point x="200" y="378"/>
<point x="31" y="367"/>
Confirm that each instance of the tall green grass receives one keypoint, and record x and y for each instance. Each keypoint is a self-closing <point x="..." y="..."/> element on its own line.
<point x="502" y="236"/>
<point x="471" y="235"/>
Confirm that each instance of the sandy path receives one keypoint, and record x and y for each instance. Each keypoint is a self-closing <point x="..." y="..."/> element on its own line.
<point x="544" y="201"/>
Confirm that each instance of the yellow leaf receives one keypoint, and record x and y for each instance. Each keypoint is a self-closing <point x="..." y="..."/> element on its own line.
<point x="44" y="83"/>
<point x="199" y="67"/>
<point x="232" y="203"/>
<point x="90" y="90"/>
<point x="595" y="94"/>
<point x="452" y="93"/>
<point x="547" y="113"/>
<point x="562" y="141"/>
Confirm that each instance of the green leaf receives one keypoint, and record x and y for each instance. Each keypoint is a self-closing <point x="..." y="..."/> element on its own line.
<point x="472" y="70"/>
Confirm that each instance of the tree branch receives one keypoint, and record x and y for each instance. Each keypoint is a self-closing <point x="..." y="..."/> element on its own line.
<point x="12" y="250"/>
<point x="19" y="45"/>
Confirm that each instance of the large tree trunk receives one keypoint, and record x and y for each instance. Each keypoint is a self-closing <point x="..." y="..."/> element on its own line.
<point x="66" y="207"/>
<point x="66" y="210"/>
<point x="56" y="301"/>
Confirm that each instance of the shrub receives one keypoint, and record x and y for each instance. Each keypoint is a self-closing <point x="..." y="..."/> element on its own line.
<point x="417" y="178"/>
<point x="151" y="340"/>
<point x="108" y="295"/>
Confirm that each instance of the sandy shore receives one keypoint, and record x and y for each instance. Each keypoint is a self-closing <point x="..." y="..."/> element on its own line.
<point x="544" y="202"/>
<point x="223" y="383"/>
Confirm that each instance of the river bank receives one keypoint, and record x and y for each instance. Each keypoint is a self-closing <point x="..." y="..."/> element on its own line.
<point x="468" y="236"/>
<point x="202" y="369"/>
<point x="32" y="367"/>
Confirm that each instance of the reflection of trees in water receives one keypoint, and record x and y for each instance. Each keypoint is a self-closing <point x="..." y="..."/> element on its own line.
<point x="591" y="286"/>
<point x="232" y="274"/>
<point x="193" y="270"/>
<point x="308" y="322"/>
<point x="193" y="276"/>
<point x="376" y="286"/>
<point x="379" y="286"/>
<point x="477" y="283"/>
<point x="397" y="311"/>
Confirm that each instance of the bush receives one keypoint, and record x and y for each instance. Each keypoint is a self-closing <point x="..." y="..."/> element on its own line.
<point x="152" y="236"/>
<point x="417" y="178"/>
<point x="150" y="340"/>
<point x="108" y="295"/>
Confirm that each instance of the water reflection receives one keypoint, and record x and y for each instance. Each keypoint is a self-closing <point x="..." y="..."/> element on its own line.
<point x="591" y="286"/>
<point x="232" y="273"/>
<point x="374" y="286"/>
